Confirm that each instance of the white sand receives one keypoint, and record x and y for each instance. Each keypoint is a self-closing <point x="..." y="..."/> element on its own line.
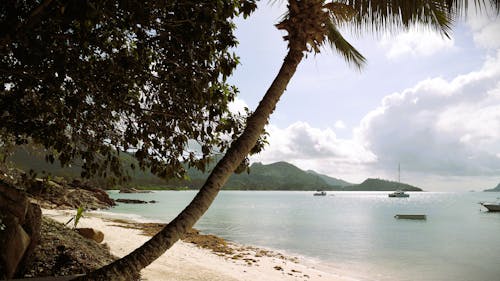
<point x="186" y="261"/>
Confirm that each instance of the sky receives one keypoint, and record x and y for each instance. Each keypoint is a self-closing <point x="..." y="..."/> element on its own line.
<point x="424" y="101"/>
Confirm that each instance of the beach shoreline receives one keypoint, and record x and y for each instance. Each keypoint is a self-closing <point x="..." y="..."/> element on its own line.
<point x="200" y="257"/>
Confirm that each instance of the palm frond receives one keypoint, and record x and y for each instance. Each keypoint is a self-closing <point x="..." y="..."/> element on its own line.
<point x="339" y="12"/>
<point x="383" y="15"/>
<point x="460" y="7"/>
<point x="344" y="48"/>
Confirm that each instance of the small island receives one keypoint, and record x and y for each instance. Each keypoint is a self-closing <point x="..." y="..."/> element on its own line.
<point x="381" y="185"/>
<point x="495" y="189"/>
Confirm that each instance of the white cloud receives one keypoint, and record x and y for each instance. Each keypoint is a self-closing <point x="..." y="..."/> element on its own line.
<point x="416" y="42"/>
<point x="301" y="141"/>
<point x="237" y="106"/>
<point x="313" y="148"/>
<point x="486" y="29"/>
<point x="339" y="124"/>
<point x="440" y="127"/>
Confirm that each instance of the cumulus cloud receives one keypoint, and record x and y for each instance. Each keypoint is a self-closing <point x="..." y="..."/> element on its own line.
<point x="486" y="29"/>
<point x="415" y="42"/>
<point x="440" y="127"/>
<point x="446" y="130"/>
<point x="313" y="148"/>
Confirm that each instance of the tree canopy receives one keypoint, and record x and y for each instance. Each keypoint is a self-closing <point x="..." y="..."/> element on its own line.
<point x="87" y="79"/>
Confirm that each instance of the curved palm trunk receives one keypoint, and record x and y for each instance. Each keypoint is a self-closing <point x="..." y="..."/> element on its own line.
<point x="126" y="267"/>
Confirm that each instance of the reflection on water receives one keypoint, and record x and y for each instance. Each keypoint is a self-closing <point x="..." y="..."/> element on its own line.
<point x="355" y="230"/>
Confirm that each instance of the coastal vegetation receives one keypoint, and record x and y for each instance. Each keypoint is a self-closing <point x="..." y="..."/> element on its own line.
<point x="87" y="80"/>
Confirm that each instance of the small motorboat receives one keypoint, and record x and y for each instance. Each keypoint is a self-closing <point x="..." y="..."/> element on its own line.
<point x="319" y="193"/>
<point x="410" y="217"/>
<point x="492" y="207"/>
<point x="399" y="193"/>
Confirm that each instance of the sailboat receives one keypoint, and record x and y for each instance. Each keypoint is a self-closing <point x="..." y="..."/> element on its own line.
<point x="399" y="193"/>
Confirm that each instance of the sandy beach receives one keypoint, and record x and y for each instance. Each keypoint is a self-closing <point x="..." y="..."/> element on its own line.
<point x="187" y="261"/>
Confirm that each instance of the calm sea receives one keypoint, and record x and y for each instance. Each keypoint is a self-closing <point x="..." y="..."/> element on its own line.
<point x="353" y="231"/>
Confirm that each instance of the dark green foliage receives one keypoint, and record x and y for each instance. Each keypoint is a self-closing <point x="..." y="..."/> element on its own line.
<point x="87" y="79"/>
<point x="331" y="181"/>
<point x="381" y="185"/>
<point x="31" y="159"/>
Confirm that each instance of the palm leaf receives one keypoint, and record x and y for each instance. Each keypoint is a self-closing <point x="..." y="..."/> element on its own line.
<point x="382" y="15"/>
<point x="344" y="48"/>
<point x="461" y="6"/>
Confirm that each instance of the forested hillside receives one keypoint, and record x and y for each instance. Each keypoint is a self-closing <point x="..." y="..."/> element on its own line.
<point x="276" y="176"/>
<point x="381" y="185"/>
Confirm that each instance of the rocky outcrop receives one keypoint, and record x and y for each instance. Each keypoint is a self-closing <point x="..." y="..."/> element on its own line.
<point x="100" y="194"/>
<point x="19" y="229"/>
<point x="51" y="194"/>
<point x="62" y="251"/>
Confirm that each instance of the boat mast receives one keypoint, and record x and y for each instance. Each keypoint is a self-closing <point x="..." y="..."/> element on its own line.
<point x="399" y="173"/>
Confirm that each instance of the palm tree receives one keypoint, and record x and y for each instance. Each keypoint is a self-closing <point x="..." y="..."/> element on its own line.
<point x="310" y="25"/>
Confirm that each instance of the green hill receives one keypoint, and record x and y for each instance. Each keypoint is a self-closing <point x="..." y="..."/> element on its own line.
<point x="276" y="176"/>
<point x="331" y="181"/>
<point x="381" y="185"/>
<point x="279" y="176"/>
<point x="495" y="189"/>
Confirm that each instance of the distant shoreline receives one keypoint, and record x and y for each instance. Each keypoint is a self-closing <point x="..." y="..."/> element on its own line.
<point x="239" y="189"/>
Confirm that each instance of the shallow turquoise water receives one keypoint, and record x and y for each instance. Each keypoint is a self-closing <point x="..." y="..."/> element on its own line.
<point x="355" y="231"/>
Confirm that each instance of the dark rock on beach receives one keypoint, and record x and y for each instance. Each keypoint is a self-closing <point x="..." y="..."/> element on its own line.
<point x="35" y="246"/>
<point x="20" y="229"/>
<point x="62" y="252"/>
<point x="91" y="233"/>
<point x="51" y="194"/>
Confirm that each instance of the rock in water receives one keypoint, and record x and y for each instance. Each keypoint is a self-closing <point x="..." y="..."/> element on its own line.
<point x="131" y="201"/>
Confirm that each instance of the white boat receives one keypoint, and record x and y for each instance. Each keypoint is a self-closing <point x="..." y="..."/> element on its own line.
<point x="492" y="207"/>
<point x="399" y="193"/>
<point x="320" y="193"/>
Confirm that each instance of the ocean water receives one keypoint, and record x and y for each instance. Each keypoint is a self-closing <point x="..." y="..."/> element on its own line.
<point x="352" y="231"/>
